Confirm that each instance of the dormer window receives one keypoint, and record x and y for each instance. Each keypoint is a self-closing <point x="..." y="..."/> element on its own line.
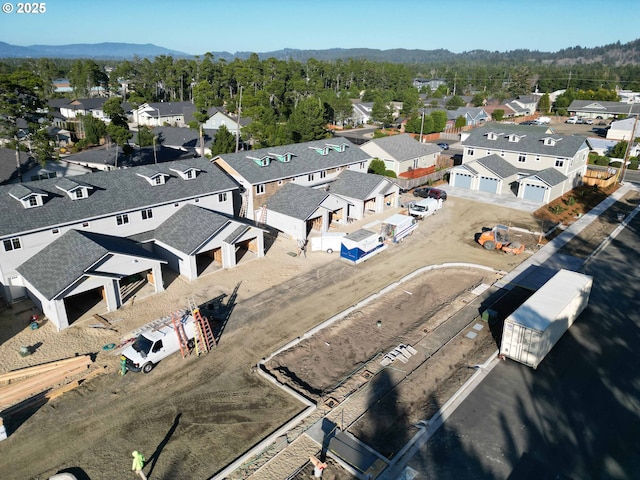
<point x="29" y="197"/>
<point x="321" y="150"/>
<point x="515" y="138"/>
<point x="549" y="141"/>
<point x="152" y="176"/>
<point x="282" y="157"/>
<point x="74" y="189"/>
<point x="338" y="147"/>
<point x="492" y="136"/>
<point x="262" y="161"/>
<point x="184" y="171"/>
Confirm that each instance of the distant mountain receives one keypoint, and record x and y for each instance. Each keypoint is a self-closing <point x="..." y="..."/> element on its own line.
<point x="88" y="50"/>
<point x="613" y="54"/>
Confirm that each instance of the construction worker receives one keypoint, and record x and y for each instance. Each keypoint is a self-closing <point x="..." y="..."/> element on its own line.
<point x="138" y="463"/>
<point x="123" y="365"/>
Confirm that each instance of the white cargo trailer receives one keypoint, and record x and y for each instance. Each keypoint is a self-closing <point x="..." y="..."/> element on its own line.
<point x="533" y="329"/>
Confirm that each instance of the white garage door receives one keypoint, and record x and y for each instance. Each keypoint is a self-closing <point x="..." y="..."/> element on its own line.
<point x="534" y="193"/>
<point x="462" y="180"/>
<point x="488" y="184"/>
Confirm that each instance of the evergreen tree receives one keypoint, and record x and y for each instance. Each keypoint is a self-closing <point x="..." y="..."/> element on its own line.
<point x="225" y="142"/>
<point x="307" y="121"/>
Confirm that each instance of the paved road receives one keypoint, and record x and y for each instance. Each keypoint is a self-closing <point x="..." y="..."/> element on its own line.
<point x="578" y="415"/>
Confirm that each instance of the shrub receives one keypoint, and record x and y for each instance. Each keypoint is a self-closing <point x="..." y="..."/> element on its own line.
<point x="556" y="209"/>
<point x="571" y="201"/>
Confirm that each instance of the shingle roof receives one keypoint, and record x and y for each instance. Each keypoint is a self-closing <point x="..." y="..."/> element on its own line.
<point x="94" y="103"/>
<point x="498" y="166"/>
<point x="550" y="176"/>
<point x="61" y="263"/>
<point x="305" y="160"/>
<point x="598" y="106"/>
<point x="531" y="140"/>
<point x="114" y="192"/>
<point x="100" y="157"/>
<point x="296" y="201"/>
<point x="404" y="147"/>
<point x="8" y="169"/>
<point x="183" y="137"/>
<point x="357" y="185"/>
<point x="190" y="227"/>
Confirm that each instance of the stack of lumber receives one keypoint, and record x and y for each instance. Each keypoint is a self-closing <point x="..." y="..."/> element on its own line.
<point x="28" y="382"/>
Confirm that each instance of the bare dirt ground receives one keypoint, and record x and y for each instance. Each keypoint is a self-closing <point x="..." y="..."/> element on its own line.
<point x="194" y="416"/>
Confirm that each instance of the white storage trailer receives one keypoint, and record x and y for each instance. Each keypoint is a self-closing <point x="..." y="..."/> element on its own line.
<point x="329" y="242"/>
<point x="533" y="329"/>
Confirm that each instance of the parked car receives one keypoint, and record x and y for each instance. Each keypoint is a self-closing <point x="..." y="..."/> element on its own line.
<point x="573" y="120"/>
<point x="430" y="192"/>
<point x="589" y="121"/>
<point x="444" y="146"/>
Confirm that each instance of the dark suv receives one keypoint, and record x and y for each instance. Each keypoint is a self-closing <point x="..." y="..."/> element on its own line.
<point x="430" y="192"/>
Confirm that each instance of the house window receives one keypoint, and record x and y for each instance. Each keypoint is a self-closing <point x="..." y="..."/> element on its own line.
<point x="361" y="165"/>
<point x="33" y="201"/>
<point x="522" y="158"/>
<point x="85" y="225"/>
<point x="188" y="174"/>
<point x="470" y="152"/>
<point x="222" y="197"/>
<point x="559" y="163"/>
<point x="122" y="219"/>
<point x="55" y="231"/>
<point x="79" y="193"/>
<point x="147" y="214"/>
<point x="310" y="177"/>
<point x="12" y="244"/>
<point x="158" y="180"/>
<point x="260" y="189"/>
<point x="323" y="174"/>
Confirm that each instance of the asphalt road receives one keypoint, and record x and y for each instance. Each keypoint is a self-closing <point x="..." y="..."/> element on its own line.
<point x="578" y="415"/>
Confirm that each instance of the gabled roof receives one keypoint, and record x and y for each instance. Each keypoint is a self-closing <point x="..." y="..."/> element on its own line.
<point x="357" y="185"/>
<point x="113" y="157"/>
<point x="404" y="147"/>
<point x="296" y="201"/>
<point x="8" y="168"/>
<point x="114" y="192"/>
<point x="550" y="176"/>
<point x="66" y="260"/>
<point x="183" y="137"/>
<point x="190" y="228"/>
<point x="305" y="160"/>
<point x="170" y="109"/>
<point x="531" y="140"/>
<point x="498" y="166"/>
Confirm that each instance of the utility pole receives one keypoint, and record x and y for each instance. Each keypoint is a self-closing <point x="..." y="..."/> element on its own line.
<point x="18" y="166"/>
<point x="628" y="150"/>
<point x="422" y="124"/>
<point x="238" y="126"/>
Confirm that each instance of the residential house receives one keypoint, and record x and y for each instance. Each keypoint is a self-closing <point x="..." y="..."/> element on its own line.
<point x="548" y="165"/>
<point x="602" y="109"/>
<point x="73" y="238"/>
<point x="185" y="139"/>
<point x="361" y="113"/>
<point x="297" y="210"/>
<point x="113" y="158"/>
<point x="432" y="83"/>
<point x="220" y="117"/>
<point x="624" y="129"/>
<point x="54" y="169"/>
<point x="524" y="105"/>
<point x="365" y="192"/>
<point x="402" y="153"/>
<point x="473" y="115"/>
<point x="86" y="106"/>
<point x="261" y="173"/>
<point x="600" y="146"/>
<point x="158" y="114"/>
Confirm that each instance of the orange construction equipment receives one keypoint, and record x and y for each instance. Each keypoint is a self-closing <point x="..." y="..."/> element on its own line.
<point x="498" y="238"/>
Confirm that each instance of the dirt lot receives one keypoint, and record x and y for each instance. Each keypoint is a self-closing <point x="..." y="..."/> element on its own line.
<point x="192" y="417"/>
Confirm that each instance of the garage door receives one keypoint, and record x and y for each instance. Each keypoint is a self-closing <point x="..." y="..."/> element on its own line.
<point x="534" y="193"/>
<point x="488" y="185"/>
<point x="462" y="180"/>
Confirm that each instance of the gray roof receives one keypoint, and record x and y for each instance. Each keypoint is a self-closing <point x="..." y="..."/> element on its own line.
<point x="190" y="228"/>
<point x="531" y="140"/>
<point x="404" y="147"/>
<point x="359" y="235"/>
<point x="166" y="109"/>
<point x="8" y="167"/>
<point x="550" y="176"/>
<point x="100" y="157"/>
<point x="64" y="261"/>
<point x="305" y="160"/>
<point x="598" y="106"/>
<point x="113" y="192"/>
<point x="296" y="201"/>
<point x="183" y="137"/>
<point x="357" y="185"/>
<point x="498" y="166"/>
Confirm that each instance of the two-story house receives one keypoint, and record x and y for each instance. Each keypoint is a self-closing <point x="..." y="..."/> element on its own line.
<point x="157" y="114"/>
<point x="262" y="172"/>
<point x="402" y="153"/>
<point x="533" y="161"/>
<point x="63" y="238"/>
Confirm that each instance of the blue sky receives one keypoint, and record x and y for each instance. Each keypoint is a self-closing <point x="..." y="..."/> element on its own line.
<point x="198" y="26"/>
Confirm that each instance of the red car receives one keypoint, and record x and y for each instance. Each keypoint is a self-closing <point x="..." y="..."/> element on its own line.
<point x="430" y="192"/>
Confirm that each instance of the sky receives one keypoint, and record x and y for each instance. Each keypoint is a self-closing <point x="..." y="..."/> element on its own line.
<point x="199" y="26"/>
